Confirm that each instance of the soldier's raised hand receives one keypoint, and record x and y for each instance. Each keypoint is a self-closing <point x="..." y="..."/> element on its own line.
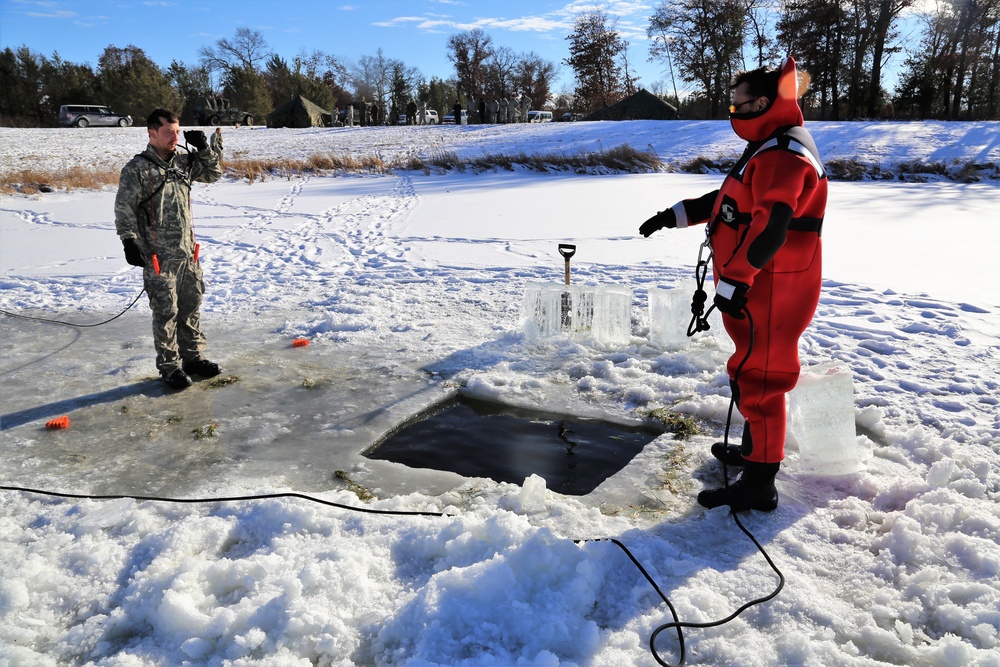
<point x="196" y="139"/>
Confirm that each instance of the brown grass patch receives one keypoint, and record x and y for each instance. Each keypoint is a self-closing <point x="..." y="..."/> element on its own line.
<point x="33" y="181"/>
<point x="322" y="163"/>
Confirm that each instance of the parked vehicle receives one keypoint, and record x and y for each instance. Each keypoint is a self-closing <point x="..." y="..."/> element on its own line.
<point x="430" y="117"/>
<point x="570" y="117"/>
<point x="539" y="116"/>
<point x="217" y="111"/>
<point x="84" y="115"/>
<point x="450" y="118"/>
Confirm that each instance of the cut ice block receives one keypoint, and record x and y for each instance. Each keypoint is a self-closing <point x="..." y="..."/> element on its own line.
<point x="670" y="317"/>
<point x="821" y="420"/>
<point x="612" y="320"/>
<point x="602" y="313"/>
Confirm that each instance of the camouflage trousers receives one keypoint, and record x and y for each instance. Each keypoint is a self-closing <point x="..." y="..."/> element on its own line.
<point x="175" y="299"/>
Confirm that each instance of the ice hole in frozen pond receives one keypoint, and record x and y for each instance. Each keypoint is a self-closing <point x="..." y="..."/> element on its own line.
<point x="476" y="438"/>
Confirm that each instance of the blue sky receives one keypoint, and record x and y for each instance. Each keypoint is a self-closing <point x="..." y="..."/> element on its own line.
<point x="414" y="31"/>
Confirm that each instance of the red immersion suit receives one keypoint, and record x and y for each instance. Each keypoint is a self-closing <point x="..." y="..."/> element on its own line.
<point x="764" y="229"/>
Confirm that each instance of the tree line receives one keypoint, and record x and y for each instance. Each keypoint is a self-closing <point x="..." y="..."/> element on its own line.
<point x="951" y="69"/>
<point x="257" y="80"/>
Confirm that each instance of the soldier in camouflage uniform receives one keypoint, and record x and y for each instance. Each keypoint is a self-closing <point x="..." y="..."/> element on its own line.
<point x="153" y="220"/>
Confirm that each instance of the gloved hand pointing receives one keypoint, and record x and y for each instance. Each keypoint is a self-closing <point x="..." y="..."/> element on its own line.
<point x="133" y="253"/>
<point x="662" y="219"/>
<point x="197" y="139"/>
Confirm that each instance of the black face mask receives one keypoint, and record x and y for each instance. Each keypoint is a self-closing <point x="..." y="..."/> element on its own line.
<point x="734" y="110"/>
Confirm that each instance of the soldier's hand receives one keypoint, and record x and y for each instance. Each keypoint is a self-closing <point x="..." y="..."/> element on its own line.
<point x="133" y="253"/>
<point x="197" y="139"/>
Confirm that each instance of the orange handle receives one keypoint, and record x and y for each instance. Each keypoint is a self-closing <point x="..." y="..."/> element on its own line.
<point x="59" y="423"/>
<point x="156" y="264"/>
<point x="197" y="247"/>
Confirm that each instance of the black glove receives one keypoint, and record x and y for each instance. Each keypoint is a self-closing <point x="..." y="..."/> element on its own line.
<point x="197" y="139"/>
<point x="133" y="253"/>
<point x="730" y="297"/>
<point x="662" y="219"/>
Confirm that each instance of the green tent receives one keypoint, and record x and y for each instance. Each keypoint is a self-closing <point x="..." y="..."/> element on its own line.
<point x="299" y="112"/>
<point x="643" y="105"/>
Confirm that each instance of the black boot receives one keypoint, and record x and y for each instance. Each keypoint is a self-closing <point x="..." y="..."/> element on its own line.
<point x="202" y="367"/>
<point x="732" y="455"/>
<point x="728" y="454"/>
<point x="176" y="379"/>
<point x="754" y="490"/>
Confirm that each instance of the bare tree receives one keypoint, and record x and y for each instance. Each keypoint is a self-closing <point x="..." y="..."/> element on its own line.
<point x="469" y="51"/>
<point x="247" y="50"/>
<point x="705" y="39"/>
<point x="534" y="76"/>
<point x="499" y="71"/>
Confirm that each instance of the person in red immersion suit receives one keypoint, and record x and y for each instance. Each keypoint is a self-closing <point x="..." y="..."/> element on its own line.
<point x="764" y="228"/>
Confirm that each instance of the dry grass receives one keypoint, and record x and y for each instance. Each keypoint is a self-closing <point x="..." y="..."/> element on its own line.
<point x="682" y="426"/>
<point x="261" y="170"/>
<point x="33" y="181"/>
<point x="622" y="158"/>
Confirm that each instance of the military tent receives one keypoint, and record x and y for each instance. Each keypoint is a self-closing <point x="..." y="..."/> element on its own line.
<point x="299" y="112"/>
<point x="643" y="105"/>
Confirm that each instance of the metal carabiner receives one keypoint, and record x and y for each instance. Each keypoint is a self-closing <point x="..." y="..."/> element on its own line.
<point x="701" y="253"/>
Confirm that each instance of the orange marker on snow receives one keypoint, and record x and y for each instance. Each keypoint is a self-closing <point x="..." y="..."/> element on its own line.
<point x="300" y="342"/>
<point x="58" y="423"/>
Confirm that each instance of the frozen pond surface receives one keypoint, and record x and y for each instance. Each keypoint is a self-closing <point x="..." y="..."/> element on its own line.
<point x="408" y="286"/>
<point x="292" y="415"/>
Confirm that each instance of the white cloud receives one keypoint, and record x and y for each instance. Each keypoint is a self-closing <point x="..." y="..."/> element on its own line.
<point x="57" y="14"/>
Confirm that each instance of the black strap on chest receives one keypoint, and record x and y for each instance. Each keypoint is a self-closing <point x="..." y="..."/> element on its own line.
<point x="170" y="174"/>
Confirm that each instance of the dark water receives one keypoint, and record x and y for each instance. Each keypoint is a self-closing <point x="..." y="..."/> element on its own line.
<point x="482" y="439"/>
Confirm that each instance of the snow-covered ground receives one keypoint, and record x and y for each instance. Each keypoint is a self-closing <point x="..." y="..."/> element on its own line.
<point x="408" y="286"/>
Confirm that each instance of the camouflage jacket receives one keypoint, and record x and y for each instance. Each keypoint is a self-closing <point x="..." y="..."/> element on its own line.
<point x="153" y="204"/>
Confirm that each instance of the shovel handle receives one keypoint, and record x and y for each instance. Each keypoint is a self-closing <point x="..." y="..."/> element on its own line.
<point x="567" y="250"/>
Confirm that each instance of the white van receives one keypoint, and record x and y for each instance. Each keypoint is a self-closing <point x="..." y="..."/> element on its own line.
<point x="539" y="116"/>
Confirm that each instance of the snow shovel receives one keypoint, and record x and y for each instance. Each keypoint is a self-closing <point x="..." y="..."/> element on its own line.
<point x="566" y="250"/>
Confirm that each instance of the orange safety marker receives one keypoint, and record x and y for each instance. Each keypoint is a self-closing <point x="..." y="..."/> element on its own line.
<point x="58" y="423"/>
<point x="300" y="342"/>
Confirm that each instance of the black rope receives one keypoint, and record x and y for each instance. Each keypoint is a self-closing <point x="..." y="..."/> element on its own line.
<point x="72" y="324"/>
<point x="699" y="318"/>
<point x="677" y="624"/>
<point x="224" y="499"/>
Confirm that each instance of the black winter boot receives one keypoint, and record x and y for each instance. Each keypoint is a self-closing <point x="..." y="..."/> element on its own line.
<point x="732" y="455"/>
<point x="202" y="367"/>
<point x="728" y="454"/>
<point x="176" y="379"/>
<point x="754" y="490"/>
